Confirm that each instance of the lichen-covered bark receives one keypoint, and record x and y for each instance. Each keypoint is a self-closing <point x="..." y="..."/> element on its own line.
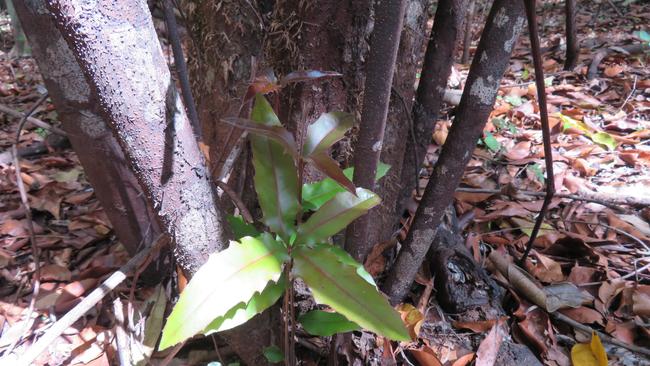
<point x="101" y="156"/>
<point x="397" y="137"/>
<point x="117" y="48"/>
<point x="504" y="24"/>
<point x="436" y="69"/>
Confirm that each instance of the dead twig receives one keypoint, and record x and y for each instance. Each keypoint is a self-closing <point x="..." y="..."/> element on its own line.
<point x="236" y="200"/>
<point x="85" y="305"/>
<point x="542" y="194"/>
<point x="629" y="95"/>
<point x="30" y="223"/>
<point x="546" y="131"/>
<point x="35" y="121"/>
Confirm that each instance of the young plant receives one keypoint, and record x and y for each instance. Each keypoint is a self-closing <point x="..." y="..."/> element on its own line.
<point x="247" y="278"/>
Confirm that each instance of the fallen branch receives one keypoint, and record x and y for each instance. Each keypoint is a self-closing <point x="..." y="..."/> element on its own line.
<point x="35" y="121"/>
<point x="600" y="55"/>
<point x="576" y="197"/>
<point x="85" y="305"/>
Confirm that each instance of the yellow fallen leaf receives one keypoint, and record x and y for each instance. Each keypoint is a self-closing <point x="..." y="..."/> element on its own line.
<point x="589" y="354"/>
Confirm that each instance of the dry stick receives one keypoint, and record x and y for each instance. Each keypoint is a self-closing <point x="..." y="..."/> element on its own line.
<point x="35" y="121"/>
<point x="416" y="158"/>
<point x="611" y="3"/>
<point x="546" y="131"/>
<point x="85" y="305"/>
<point x="629" y="95"/>
<point x="181" y="66"/>
<point x="30" y="223"/>
<point x="236" y="200"/>
<point x="542" y="194"/>
<point x="622" y="232"/>
<point x="120" y="333"/>
<point x="389" y="16"/>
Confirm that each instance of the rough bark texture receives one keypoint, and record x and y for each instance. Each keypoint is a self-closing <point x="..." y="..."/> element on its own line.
<point x="505" y="23"/>
<point x="226" y="47"/>
<point x="101" y="156"/>
<point x="118" y="50"/>
<point x="389" y="16"/>
<point x="398" y="123"/>
<point x="436" y="69"/>
<point x="572" y="42"/>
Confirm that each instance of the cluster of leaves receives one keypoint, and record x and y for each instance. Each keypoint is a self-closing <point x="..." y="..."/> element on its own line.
<point x="248" y="277"/>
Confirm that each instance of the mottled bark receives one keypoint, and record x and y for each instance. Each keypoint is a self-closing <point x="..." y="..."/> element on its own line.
<point x="389" y="16"/>
<point x="436" y="69"/>
<point x="397" y="136"/>
<point x="101" y="156"/>
<point x="572" y="42"/>
<point x="117" y="48"/>
<point x="505" y="23"/>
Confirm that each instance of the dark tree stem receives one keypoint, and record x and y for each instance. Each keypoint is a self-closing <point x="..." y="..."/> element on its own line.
<point x="389" y="15"/>
<point x="181" y="67"/>
<point x="572" y="42"/>
<point x="438" y="59"/>
<point x="467" y="39"/>
<point x="504" y="24"/>
<point x="546" y="131"/>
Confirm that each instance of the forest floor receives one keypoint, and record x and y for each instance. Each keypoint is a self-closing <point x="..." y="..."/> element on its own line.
<point x="593" y="250"/>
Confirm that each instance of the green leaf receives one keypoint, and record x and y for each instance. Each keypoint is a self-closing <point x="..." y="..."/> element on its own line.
<point x="243" y="312"/>
<point x="339" y="286"/>
<point x="324" y="324"/>
<point x="325" y="131"/>
<point x="278" y="134"/>
<point x="306" y="75"/>
<point x="603" y="138"/>
<point x="491" y="142"/>
<point x="335" y="215"/>
<point x="346" y="258"/>
<point x="643" y="35"/>
<point x="568" y="122"/>
<point x="276" y="178"/>
<point x="330" y="167"/>
<point x="526" y="226"/>
<point x="273" y="354"/>
<point x="241" y="228"/>
<point x="228" y="278"/>
<point x="537" y="171"/>
<point x="314" y="195"/>
<point x="513" y="100"/>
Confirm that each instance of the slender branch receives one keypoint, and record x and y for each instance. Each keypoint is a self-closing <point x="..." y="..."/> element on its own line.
<point x="30" y="223"/>
<point x="181" y="66"/>
<point x="546" y="131"/>
<point x="85" y="305"/>
<point x="35" y="121"/>
<point x="576" y="197"/>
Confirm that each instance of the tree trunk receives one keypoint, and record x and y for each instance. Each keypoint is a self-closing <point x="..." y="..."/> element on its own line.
<point x="397" y="136"/>
<point x="436" y="69"/>
<point x="377" y="89"/>
<point x="504" y="24"/>
<point x="118" y="51"/>
<point x="101" y="156"/>
<point x="572" y="42"/>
